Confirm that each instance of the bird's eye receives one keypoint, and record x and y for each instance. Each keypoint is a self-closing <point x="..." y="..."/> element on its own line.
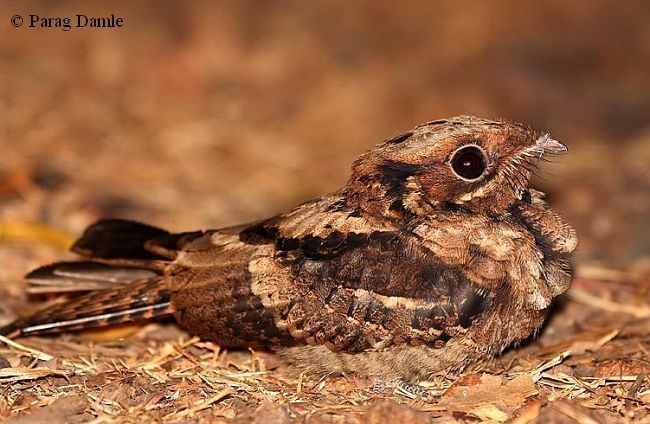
<point x="468" y="162"/>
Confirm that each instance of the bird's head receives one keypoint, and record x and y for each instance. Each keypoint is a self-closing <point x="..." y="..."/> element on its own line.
<point x="464" y="162"/>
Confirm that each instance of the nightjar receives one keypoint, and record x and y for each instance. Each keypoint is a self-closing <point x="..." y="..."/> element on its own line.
<point x="435" y="254"/>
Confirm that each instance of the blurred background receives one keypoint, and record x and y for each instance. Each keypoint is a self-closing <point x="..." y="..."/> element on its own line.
<point x="207" y="114"/>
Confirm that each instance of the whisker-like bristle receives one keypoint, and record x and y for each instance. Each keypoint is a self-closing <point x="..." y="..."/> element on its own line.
<point x="534" y="170"/>
<point x="536" y="157"/>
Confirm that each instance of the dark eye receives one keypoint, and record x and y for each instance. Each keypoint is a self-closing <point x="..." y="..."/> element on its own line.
<point x="468" y="162"/>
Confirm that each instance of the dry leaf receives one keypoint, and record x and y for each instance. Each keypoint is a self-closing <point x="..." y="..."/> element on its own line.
<point x="35" y="232"/>
<point x="10" y="375"/>
<point x="528" y="412"/>
<point x="489" y="389"/>
<point x="489" y="412"/>
<point x="489" y="396"/>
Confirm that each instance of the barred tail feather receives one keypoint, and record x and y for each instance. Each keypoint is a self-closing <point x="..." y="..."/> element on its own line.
<point x="135" y="301"/>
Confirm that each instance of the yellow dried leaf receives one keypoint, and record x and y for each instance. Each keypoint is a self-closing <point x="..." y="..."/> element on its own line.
<point x="35" y="232"/>
<point x="111" y="333"/>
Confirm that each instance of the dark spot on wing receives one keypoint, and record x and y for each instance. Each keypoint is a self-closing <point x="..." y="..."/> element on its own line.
<point x="451" y="207"/>
<point x="396" y="206"/>
<point x="470" y="307"/>
<point x="262" y="233"/>
<point x="320" y="248"/>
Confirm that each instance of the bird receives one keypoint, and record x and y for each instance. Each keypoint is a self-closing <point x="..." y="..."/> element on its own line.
<point x="434" y="255"/>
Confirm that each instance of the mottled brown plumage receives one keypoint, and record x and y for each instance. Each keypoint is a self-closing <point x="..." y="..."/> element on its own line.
<point x="435" y="254"/>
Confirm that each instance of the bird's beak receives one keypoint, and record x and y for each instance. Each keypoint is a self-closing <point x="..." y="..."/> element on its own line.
<point x="545" y="144"/>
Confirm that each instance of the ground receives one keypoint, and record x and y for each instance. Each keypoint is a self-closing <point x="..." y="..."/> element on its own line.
<point x="222" y="113"/>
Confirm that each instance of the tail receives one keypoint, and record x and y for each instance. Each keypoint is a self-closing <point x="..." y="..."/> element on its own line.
<point x="135" y="301"/>
<point x="122" y="279"/>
